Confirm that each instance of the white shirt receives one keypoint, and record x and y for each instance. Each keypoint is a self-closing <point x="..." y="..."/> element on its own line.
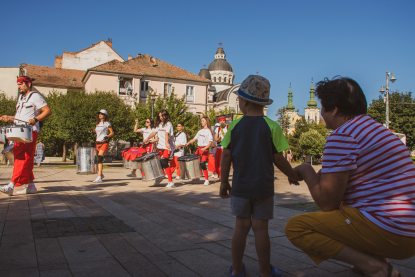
<point x="203" y="137"/>
<point x="180" y="139"/>
<point x="161" y="133"/>
<point x="146" y="132"/>
<point x="28" y="107"/>
<point x="102" y="130"/>
<point x="221" y="132"/>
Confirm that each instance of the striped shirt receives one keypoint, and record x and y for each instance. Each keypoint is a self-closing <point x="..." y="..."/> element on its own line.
<point x="382" y="175"/>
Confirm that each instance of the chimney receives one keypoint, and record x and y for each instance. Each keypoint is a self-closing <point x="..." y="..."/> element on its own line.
<point x="130" y="57"/>
<point x="109" y="42"/>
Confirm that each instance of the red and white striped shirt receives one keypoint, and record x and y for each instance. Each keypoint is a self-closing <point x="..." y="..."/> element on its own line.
<point x="382" y="174"/>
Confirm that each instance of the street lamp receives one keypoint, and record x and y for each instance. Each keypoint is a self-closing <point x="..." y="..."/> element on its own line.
<point x="389" y="77"/>
<point x="153" y="95"/>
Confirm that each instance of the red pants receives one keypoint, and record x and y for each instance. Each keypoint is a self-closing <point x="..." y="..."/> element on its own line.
<point x="204" y="157"/>
<point x="218" y="158"/>
<point x="24" y="154"/>
<point x="177" y="165"/>
<point x="165" y="154"/>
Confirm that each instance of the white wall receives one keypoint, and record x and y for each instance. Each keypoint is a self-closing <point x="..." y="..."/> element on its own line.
<point x="91" y="57"/>
<point x="8" y="84"/>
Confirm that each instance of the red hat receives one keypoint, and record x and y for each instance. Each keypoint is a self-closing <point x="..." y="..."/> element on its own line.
<point x="24" y="79"/>
<point x="221" y="118"/>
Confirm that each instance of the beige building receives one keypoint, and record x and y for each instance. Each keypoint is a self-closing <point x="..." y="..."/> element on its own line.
<point x="8" y="81"/>
<point x="136" y="79"/>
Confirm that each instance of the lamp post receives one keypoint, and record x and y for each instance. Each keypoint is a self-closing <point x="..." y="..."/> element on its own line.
<point x="389" y="77"/>
<point x="153" y="95"/>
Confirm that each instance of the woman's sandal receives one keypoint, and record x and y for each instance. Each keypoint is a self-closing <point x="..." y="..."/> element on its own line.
<point x="241" y="274"/>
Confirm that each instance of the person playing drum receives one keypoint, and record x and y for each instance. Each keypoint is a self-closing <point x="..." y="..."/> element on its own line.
<point x="180" y="140"/>
<point x="104" y="132"/>
<point x="31" y="109"/>
<point x="146" y="131"/>
<point x="204" y="138"/>
<point x="165" y="144"/>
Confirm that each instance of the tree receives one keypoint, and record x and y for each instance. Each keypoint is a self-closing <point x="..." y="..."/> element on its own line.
<point x="401" y="115"/>
<point x="301" y="126"/>
<point x="212" y="113"/>
<point x="7" y="106"/>
<point x="312" y="143"/>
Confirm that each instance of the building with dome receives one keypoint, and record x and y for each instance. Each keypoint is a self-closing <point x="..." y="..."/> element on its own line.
<point x="220" y="92"/>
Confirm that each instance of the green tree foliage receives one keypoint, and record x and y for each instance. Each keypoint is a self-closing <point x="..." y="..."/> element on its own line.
<point x="401" y="115"/>
<point x="74" y="117"/>
<point x="7" y="107"/>
<point x="212" y="114"/>
<point x="312" y="143"/>
<point x="301" y="126"/>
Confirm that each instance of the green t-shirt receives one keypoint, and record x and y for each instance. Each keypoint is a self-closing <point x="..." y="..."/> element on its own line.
<point x="253" y="140"/>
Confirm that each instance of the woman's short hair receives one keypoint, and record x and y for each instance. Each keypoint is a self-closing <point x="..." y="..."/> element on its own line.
<point x="343" y="93"/>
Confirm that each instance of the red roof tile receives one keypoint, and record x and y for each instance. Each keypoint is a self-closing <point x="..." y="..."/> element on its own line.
<point x="55" y="77"/>
<point x="145" y="65"/>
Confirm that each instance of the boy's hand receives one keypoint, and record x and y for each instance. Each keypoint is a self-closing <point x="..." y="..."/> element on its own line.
<point x="225" y="189"/>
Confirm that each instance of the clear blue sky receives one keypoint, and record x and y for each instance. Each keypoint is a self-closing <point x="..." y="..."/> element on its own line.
<point x="285" y="41"/>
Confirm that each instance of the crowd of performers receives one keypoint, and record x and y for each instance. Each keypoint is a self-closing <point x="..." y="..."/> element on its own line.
<point x="171" y="146"/>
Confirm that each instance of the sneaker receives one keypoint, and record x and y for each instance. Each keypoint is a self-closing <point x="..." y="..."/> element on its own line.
<point x="206" y="183"/>
<point x="170" y="185"/>
<point x="215" y="176"/>
<point x="97" y="180"/>
<point x="242" y="274"/>
<point x="178" y="178"/>
<point x="20" y="190"/>
<point x="31" y="188"/>
<point x="132" y="175"/>
<point x="102" y="177"/>
<point x="7" y="189"/>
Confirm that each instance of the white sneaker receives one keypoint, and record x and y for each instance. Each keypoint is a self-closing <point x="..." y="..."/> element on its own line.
<point x="206" y="183"/>
<point x="215" y="176"/>
<point x="132" y="175"/>
<point x="178" y="178"/>
<point x="31" y="188"/>
<point x="7" y="189"/>
<point x="170" y="185"/>
<point x="97" y="180"/>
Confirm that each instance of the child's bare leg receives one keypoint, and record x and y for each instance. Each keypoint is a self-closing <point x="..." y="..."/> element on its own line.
<point x="242" y="226"/>
<point x="262" y="245"/>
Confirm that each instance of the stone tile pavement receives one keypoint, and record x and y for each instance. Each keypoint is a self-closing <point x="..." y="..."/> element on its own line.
<point x="127" y="227"/>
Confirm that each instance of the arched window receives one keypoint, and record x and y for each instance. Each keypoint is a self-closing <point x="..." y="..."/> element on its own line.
<point x="220" y="79"/>
<point x="214" y="79"/>
<point x="224" y="80"/>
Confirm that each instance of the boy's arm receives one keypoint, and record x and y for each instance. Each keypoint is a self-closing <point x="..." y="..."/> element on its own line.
<point x="282" y="164"/>
<point x="225" y="187"/>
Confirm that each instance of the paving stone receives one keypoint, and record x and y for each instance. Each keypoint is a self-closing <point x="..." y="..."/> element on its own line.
<point x="56" y="273"/>
<point x="17" y="255"/>
<point x="82" y="249"/>
<point x="103" y="268"/>
<point x="49" y="252"/>
<point x="26" y="272"/>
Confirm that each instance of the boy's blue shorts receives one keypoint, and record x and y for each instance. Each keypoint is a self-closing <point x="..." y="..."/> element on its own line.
<point x="248" y="208"/>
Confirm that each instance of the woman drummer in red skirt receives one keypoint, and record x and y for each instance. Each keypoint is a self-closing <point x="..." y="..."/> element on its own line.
<point x="204" y="138"/>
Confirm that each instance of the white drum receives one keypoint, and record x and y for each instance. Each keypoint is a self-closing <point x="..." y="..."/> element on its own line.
<point x="151" y="166"/>
<point x="85" y="160"/>
<point x="19" y="133"/>
<point x="189" y="167"/>
<point x="2" y="135"/>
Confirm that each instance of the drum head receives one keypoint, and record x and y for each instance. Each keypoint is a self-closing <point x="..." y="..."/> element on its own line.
<point x="187" y="158"/>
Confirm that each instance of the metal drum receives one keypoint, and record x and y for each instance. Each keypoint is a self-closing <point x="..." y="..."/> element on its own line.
<point x="189" y="167"/>
<point x="20" y="133"/>
<point x="151" y="166"/>
<point x="85" y="160"/>
<point x="2" y="135"/>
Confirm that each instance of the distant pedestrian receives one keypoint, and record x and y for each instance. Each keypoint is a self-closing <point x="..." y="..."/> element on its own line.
<point x="39" y="152"/>
<point x="104" y="133"/>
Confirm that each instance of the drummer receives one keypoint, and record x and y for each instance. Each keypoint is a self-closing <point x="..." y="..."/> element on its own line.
<point x="220" y="132"/>
<point x="180" y="140"/>
<point x="165" y="144"/>
<point x="104" y="132"/>
<point x="31" y="109"/>
<point x="204" y="138"/>
<point x="146" y="131"/>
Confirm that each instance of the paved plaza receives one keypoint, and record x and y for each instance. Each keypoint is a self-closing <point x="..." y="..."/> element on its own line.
<point x="127" y="227"/>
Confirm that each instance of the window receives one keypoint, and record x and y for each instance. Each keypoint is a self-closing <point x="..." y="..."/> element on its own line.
<point x="190" y="94"/>
<point x="167" y="89"/>
<point x="224" y="80"/>
<point x="144" y="89"/>
<point x="214" y="79"/>
<point x="220" y="79"/>
<point x="125" y="86"/>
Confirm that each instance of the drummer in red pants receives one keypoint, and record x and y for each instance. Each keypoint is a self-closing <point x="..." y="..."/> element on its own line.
<point x="31" y="108"/>
<point x="204" y="138"/>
